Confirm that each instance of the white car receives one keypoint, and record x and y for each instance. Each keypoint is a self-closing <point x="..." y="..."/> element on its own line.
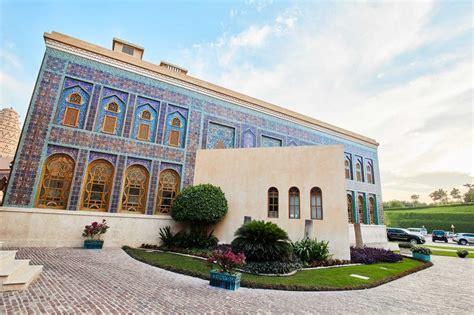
<point x="420" y="231"/>
<point x="464" y="238"/>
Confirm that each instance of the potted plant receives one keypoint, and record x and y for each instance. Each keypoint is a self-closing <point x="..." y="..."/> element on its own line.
<point x="462" y="253"/>
<point x="226" y="277"/>
<point x="421" y="253"/>
<point x="405" y="248"/>
<point x="93" y="233"/>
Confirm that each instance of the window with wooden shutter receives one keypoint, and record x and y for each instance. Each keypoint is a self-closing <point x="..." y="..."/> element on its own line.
<point x="173" y="139"/>
<point x="71" y="117"/>
<point x="143" y="132"/>
<point x="109" y="124"/>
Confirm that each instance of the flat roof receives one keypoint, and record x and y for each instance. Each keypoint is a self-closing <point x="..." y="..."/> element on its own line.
<point x="204" y="85"/>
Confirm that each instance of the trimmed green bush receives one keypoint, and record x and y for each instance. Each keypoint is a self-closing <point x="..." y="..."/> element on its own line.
<point x="309" y="250"/>
<point x="462" y="253"/>
<point x="405" y="245"/>
<point x="421" y="250"/>
<point x="262" y="241"/>
<point x="201" y="204"/>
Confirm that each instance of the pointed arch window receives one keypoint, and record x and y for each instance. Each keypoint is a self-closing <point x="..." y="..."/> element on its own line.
<point x="348" y="166"/>
<point x="98" y="185"/>
<point x="56" y="179"/>
<point x="75" y="98"/>
<point x="135" y="189"/>
<point x="273" y="202"/>
<point x="360" y="208"/>
<point x="372" y="210"/>
<point x="370" y="173"/>
<point x="359" y="171"/>
<point x="176" y="122"/>
<point x="349" y="208"/>
<point x="113" y="107"/>
<point x="316" y="197"/>
<point x="168" y="188"/>
<point x="146" y="115"/>
<point x="294" y="203"/>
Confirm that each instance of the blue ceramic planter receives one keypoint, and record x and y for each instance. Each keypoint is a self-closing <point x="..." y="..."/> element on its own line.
<point x="93" y="244"/>
<point x="422" y="257"/>
<point x="225" y="280"/>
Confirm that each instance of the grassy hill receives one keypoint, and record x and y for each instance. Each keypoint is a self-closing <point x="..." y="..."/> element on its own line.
<point x="462" y="216"/>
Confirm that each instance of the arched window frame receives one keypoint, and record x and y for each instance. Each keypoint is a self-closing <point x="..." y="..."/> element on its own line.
<point x="348" y="166"/>
<point x="72" y="109"/>
<point x="86" y="200"/>
<point x="350" y="206"/>
<point x="43" y="199"/>
<point x="75" y="98"/>
<point x="146" y="115"/>
<point x="359" y="170"/>
<point x="109" y="120"/>
<point x="113" y="107"/>
<point x="294" y="203"/>
<point x="144" y="129"/>
<point x="370" y="172"/>
<point x="316" y="210"/>
<point x="361" y="208"/>
<point x="372" y="210"/>
<point x="273" y="202"/>
<point x="162" y="205"/>
<point x="175" y="133"/>
<point x="142" y="187"/>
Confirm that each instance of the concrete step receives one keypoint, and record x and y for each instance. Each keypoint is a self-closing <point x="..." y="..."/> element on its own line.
<point x="6" y="256"/>
<point x="12" y="268"/>
<point x="20" y="281"/>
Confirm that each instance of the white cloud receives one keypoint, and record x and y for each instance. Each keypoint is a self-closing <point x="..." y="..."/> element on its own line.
<point x="328" y="68"/>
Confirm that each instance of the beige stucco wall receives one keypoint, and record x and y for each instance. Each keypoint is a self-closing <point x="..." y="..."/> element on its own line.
<point x="246" y="174"/>
<point x="23" y="227"/>
<point x="372" y="235"/>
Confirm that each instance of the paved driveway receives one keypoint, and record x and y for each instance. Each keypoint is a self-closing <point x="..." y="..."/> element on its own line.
<point x="109" y="281"/>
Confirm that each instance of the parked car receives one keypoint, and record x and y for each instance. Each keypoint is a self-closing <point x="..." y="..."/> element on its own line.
<point x="439" y="235"/>
<point x="398" y="234"/>
<point x="421" y="231"/>
<point x="464" y="238"/>
<point x="450" y="234"/>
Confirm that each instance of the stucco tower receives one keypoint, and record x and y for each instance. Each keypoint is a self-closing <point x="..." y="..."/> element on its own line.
<point x="9" y="132"/>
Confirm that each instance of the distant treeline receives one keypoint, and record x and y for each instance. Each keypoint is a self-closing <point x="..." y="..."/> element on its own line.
<point x="424" y="206"/>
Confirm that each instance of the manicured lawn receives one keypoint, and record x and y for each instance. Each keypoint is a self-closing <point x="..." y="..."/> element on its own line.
<point x="449" y="254"/>
<point x="320" y="279"/>
<point x="449" y="247"/>
<point x="433" y="218"/>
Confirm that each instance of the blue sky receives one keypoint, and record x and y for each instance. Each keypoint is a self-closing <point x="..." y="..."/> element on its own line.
<point x="397" y="71"/>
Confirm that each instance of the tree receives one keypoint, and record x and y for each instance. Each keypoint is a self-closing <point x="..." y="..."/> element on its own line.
<point x="439" y="194"/>
<point x="415" y="199"/>
<point x="469" y="195"/>
<point x="455" y="194"/>
<point x="200" y="205"/>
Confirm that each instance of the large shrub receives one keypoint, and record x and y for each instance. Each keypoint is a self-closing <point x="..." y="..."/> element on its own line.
<point x="370" y="255"/>
<point x="309" y="250"/>
<point x="201" y="204"/>
<point x="262" y="241"/>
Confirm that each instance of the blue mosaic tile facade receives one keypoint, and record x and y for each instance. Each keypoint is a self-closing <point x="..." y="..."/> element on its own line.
<point x="205" y="120"/>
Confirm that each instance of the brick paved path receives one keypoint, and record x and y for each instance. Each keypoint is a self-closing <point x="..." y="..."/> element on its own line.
<point x="109" y="281"/>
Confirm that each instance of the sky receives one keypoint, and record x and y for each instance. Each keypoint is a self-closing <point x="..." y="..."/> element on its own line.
<point x="400" y="72"/>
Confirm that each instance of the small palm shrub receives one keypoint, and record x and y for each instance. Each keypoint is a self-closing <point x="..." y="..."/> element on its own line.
<point x="166" y="236"/>
<point x="262" y="241"/>
<point x="193" y="239"/>
<point x="462" y="253"/>
<point x="309" y="250"/>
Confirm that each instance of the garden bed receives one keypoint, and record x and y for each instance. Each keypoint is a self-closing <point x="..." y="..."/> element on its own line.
<point x="327" y="279"/>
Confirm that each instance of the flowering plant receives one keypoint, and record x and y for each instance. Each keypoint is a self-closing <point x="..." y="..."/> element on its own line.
<point x="227" y="260"/>
<point x="95" y="229"/>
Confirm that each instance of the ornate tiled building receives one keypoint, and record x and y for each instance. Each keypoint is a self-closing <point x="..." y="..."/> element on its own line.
<point x="107" y="131"/>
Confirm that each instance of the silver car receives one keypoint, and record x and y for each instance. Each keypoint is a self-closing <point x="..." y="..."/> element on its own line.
<point x="464" y="238"/>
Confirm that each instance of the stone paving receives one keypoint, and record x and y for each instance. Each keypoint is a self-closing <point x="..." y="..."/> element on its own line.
<point x="109" y="281"/>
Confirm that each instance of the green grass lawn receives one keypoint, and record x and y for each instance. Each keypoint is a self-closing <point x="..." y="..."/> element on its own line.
<point x="448" y="247"/>
<point x="433" y="218"/>
<point x="320" y="279"/>
<point x="449" y="254"/>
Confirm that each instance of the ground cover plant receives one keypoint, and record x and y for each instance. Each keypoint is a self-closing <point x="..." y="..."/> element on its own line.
<point x="433" y="218"/>
<point x="309" y="280"/>
<point x="370" y="255"/>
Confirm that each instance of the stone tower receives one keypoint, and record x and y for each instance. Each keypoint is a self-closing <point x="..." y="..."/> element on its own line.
<point x="9" y="132"/>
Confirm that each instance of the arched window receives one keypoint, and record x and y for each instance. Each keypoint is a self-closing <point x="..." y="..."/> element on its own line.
<point x="146" y="115"/>
<point x="348" y="169"/>
<point x="273" y="202"/>
<point x="168" y="188"/>
<point x="316" y="197"/>
<point x="55" y="184"/>
<point x="75" y="98"/>
<point x="359" y="171"/>
<point x="97" y="187"/>
<point x="174" y="135"/>
<point x="294" y="204"/>
<point x="370" y="173"/>
<point x="113" y="107"/>
<point x="372" y="210"/>
<point x="349" y="208"/>
<point x="135" y="189"/>
<point x="360" y="206"/>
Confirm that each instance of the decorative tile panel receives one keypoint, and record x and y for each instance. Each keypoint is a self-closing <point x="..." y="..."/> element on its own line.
<point x="220" y="136"/>
<point x="270" y="142"/>
<point x="80" y="170"/>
